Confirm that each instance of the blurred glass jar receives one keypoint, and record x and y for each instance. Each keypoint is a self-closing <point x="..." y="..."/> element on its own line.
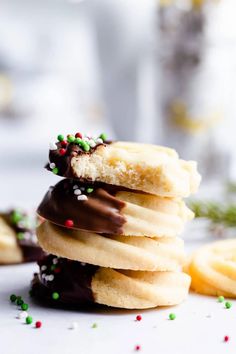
<point x="197" y="59"/>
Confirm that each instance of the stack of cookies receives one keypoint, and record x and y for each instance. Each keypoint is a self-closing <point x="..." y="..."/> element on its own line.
<point x="112" y="224"/>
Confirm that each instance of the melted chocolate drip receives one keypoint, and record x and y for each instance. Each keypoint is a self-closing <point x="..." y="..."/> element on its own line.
<point x="71" y="280"/>
<point x="30" y="249"/>
<point x="100" y="213"/>
<point x="63" y="162"/>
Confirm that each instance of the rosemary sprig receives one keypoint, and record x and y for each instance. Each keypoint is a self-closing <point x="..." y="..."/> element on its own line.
<point x="217" y="214"/>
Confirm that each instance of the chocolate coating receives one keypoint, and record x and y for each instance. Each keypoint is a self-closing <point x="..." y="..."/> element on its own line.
<point x="30" y="249"/>
<point x="63" y="162"/>
<point x="100" y="213"/>
<point x="71" y="280"/>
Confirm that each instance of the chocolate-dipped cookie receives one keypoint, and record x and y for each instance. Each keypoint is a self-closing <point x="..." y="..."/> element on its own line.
<point x="18" y="242"/>
<point x="66" y="283"/>
<point x="113" y="210"/>
<point x="148" y="168"/>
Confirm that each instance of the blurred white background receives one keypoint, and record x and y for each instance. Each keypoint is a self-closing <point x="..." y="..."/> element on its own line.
<point x="142" y="70"/>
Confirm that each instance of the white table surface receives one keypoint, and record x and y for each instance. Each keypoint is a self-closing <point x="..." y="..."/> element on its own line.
<point x="200" y="325"/>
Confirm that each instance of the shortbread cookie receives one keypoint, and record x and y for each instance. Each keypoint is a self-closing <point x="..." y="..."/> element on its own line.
<point x="213" y="269"/>
<point x="120" y="252"/>
<point x="75" y="284"/>
<point x="148" y="168"/>
<point x="109" y="209"/>
<point x="18" y="242"/>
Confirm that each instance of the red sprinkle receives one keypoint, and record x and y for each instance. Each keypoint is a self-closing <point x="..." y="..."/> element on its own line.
<point x="57" y="270"/>
<point x="138" y="318"/>
<point x="62" y="151"/>
<point x="226" y="338"/>
<point x="78" y="135"/>
<point x="69" y="223"/>
<point x="38" y="324"/>
<point x="63" y="143"/>
<point x="137" y="347"/>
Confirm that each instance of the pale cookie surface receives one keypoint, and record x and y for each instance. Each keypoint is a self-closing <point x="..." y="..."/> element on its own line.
<point x="149" y="168"/>
<point x="139" y="290"/>
<point x="10" y="252"/>
<point x="120" y="252"/>
<point x="213" y="269"/>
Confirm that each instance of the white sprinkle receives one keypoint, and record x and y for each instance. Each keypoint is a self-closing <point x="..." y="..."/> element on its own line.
<point x="44" y="276"/>
<point x="75" y="186"/>
<point x="77" y="192"/>
<point x="52" y="146"/>
<point x="92" y="143"/>
<point x="74" y="325"/>
<point x="21" y="224"/>
<point x="52" y="165"/>
<point x="82" y="197"/>
<point x="34" y="239"/>
<point x="85" y="139"/>
<point x="55" y="260"/>
<point x="44" y="267"/>
<point x="27" y="235"/>
<point x="82" y="188"/>
<point x="99" y="141"/>
<point x="83" y="264"/>
<point x="22" y="315"/>
<point x="50" y="277"/>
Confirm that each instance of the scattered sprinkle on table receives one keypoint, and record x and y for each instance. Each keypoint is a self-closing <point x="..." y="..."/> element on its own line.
<point x="94" y="325"/>
<point x="28" y="320"/>
<point x="138" y="318"/>
<point x="221" y="299"/>
<point x="172" y="316"/>
<point x="137" y="347"/>
<point x="38" y="324"/>
<point x="19" y="301"/>
<point x="74" y="325"/>
<point x="13" y="298"/>
<point x="228" y="305"/>
<point x="24" y="306"/>
<point x="22" y="315"/>
<point x="226" y="338"/>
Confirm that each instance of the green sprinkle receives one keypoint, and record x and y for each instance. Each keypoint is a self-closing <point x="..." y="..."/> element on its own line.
<point x="221" y="299"/>
<point x="13" y="297"/>
<point x="55" y="296"/>
<point x="60" y="137"/>
<point x="19" y="301"/>
<point x="16" y="216"/>
<point x="228" y="305"/>
<point x="70" y="138"/>
<point x="20" y="235"/>
<point x="172" y="316"/>
<point x="78" y="141"/>
<point x="95" y="325"/>
<point x="29" y="320"/>
<point x="103" y="136"/>
<point x="89" y="190"/>
<point x="24" y="307"/>
<point x="53" y="267"/>
<point x="55" y="170"/>
<point x="86" y="146"/>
